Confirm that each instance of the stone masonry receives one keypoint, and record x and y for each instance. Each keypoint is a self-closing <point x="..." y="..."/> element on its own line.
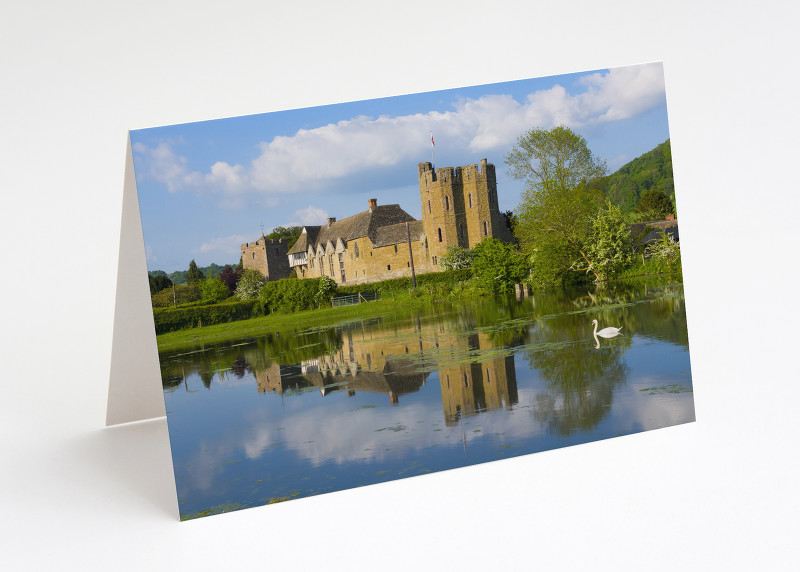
<point x="268" y="256"/>
<point x="459" y="208"/>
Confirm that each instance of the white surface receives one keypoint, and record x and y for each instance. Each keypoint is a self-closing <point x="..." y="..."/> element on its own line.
<point x="717" y="494"/>
<point x="135" y="392"/>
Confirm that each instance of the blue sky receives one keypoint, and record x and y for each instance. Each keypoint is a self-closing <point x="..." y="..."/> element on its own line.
<point x="205" y="188"/>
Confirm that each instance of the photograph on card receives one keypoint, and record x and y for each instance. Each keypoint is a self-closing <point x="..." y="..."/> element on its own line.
<point x="354" y="293"/>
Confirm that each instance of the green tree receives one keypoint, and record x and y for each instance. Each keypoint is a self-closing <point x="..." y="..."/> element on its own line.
<point x="609" y="249"/>
<point x="214" y="290"/>
<point x="654" y="205"/>
<point x="158" y="282"/>
<point x="250" y="284"/>
<point x="194" y="275"/>
<point x="498" y="266"/>
<point x="562" y="194"/>
<point x="456" y="258"/>
<point x="289" y="234"/>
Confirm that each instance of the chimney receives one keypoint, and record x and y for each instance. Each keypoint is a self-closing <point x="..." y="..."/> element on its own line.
<point x="331" y="220"/>
<point x="372" y="203"/>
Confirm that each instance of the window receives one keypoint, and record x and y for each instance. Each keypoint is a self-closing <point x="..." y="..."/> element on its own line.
<point x="388" y="267"/>
<point x="488" y="377"/>
<point x="485" y="229"/>
<point x="408" y="264"/>
<point x="355" y="248"/>
<point x="254" y="256"/>
<point x="446" y="203"/>
<point x="470" y="200"/>
<point x="429" y="206"/>
<point x="466" y="383"/>
<point x="330" y="262"/>
<point x="395" y="248"/>
<point x="440" y="234"/>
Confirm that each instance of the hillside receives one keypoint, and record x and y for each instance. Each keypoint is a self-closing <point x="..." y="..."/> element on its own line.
<point x="653" y="170"/>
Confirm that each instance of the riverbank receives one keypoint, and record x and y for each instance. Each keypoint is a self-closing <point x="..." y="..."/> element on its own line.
<point x="279" y="322"/>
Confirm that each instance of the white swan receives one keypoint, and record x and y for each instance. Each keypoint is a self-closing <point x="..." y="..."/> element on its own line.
<point x="606" y="332"/>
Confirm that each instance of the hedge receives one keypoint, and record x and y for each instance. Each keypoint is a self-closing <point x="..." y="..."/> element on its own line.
<point x="289" y="295"/>
<point x="404" y="284"/>
<point x="172" y="319"/>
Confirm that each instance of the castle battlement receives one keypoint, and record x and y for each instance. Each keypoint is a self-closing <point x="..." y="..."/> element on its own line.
<point x="476" y="172"/>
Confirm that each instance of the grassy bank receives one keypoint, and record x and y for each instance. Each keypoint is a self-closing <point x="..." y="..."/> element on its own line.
<point x="279" y="322"/>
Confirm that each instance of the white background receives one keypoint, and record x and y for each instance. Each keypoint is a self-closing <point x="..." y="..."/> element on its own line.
<point x="721" y="493"/>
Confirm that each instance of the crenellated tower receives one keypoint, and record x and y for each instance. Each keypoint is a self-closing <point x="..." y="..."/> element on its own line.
<point x="459" y="206"/>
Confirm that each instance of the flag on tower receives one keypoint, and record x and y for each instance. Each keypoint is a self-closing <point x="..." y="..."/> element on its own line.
<point x="432" y="143"/>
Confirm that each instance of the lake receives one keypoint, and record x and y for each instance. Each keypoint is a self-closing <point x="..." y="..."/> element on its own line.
<point x="301" y="412"/>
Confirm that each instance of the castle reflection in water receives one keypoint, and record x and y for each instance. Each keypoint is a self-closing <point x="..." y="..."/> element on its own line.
<point x="398" y="362"/>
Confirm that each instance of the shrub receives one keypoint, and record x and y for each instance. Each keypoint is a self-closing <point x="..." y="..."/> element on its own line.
<point x="289" y="295"/>
<point x="609" y="248"/>
<point x="666" y="252"/>
<point x="214" y="290"/>
<point x="183" y="294"/>
<point x="456" y="258"/>
<point x="327" y="287"/>
<point x="172" y="319"/>
<point x="250" y="285"/>
<point x="498" y="266"/>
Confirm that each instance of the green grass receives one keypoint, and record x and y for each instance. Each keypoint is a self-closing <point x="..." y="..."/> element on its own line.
<point x="278" y="322"/>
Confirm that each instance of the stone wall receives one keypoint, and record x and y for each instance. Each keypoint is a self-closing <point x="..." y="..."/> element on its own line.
<point x="372" y="264"/>
<point x="268" y="256"/>
<point x="459" y="206"/>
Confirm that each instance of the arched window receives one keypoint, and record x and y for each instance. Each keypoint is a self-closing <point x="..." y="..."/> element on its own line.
<point x="440" y="234"/>
<point x="355" y="248"/>
<point x="254" y="256"/>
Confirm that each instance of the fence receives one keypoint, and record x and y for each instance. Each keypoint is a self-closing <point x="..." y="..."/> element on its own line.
<point x="352" y="299"/>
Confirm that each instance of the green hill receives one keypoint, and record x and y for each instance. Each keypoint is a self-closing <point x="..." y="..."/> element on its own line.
<point x="653" y="170"/>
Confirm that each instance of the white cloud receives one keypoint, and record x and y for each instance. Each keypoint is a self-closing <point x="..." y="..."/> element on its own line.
<point x="310" y="216"/>
<point x="310" y="156"/>
<point x="224" y="244"/>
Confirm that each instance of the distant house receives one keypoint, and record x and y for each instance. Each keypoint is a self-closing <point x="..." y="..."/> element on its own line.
<point x="646" y="233"/>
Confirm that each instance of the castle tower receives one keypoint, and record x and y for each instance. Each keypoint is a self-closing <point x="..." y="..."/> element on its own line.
<point x="459" y="206"/>
<point x="268" y="256"/>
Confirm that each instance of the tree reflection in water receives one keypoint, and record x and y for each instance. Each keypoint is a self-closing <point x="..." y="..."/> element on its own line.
<point x="470" y="346"/>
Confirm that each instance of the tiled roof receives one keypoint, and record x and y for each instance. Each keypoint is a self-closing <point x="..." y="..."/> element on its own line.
<point x="367" y="223"/>
<point x="670" y="227"/>
<point x="397" y="234"/>
<point x="308" y="237"/>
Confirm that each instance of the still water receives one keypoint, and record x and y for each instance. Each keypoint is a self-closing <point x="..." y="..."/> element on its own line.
<point x="302" y="412"/>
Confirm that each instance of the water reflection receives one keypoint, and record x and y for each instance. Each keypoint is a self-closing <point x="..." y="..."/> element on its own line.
<point x="437" y="388"/>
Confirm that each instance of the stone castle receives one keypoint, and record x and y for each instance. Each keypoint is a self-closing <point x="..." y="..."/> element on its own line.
<point x="459" y="208"/>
